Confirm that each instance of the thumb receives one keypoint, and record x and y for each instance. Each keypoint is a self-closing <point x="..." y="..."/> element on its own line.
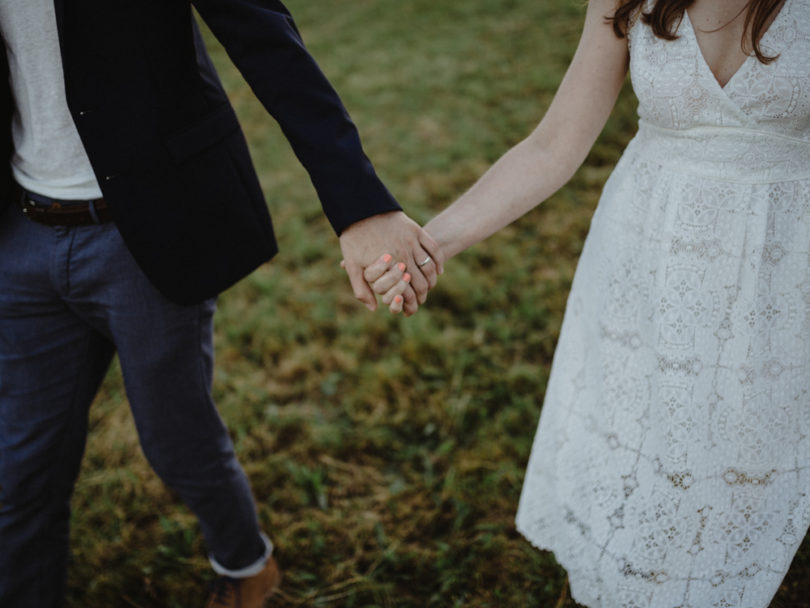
<point x="360" y="288"/>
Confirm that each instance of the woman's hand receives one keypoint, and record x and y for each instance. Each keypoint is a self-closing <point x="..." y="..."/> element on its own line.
<point x="390" y="280"/>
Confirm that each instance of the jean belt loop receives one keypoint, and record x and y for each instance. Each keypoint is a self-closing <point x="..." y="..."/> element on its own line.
<point x="91" y="207"/>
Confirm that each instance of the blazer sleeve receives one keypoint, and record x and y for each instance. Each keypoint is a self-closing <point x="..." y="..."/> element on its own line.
<point x="263" y="42"/>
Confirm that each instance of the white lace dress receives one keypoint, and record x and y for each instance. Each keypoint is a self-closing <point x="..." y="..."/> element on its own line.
<point x="671" y="466"/>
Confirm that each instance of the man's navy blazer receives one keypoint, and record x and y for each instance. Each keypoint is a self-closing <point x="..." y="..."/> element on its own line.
<point x="165" y="144"/>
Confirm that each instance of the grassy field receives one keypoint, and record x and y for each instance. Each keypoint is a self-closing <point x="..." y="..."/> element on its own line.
<point x="386" y="454"/>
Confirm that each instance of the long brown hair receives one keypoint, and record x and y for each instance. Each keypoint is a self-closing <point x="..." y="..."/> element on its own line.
<point x="665" y="16"/>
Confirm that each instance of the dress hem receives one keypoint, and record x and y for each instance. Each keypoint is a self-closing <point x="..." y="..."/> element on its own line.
<point x="547" y="547"/>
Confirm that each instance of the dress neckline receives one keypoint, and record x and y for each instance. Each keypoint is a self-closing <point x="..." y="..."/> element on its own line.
<point x="748" y="58"/>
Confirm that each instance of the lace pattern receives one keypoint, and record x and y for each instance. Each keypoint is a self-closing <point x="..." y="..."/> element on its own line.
<point x="671" y="467"/>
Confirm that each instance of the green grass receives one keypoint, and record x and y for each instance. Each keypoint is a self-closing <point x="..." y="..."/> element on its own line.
<point x="386" y="454"/>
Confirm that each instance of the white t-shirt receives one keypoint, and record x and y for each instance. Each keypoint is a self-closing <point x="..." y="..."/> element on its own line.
<point x="49" y="157"/>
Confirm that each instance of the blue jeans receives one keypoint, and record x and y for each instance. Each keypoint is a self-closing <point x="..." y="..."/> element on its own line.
<point x="70" y="298"/>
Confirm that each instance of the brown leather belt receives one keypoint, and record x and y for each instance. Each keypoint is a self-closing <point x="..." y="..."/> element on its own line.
<point x="54" y="212"/>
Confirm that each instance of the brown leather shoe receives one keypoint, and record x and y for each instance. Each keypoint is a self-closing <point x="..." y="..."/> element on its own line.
<point x="250" y="592"/>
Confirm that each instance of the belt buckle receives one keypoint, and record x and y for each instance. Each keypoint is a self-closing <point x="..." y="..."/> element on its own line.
<point x="30" y="206"/>
<point x="27" y="204"/>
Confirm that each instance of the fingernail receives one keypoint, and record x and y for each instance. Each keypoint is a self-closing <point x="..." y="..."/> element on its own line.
<point x="386" y="258"/>
<point x="398" y="299"/>
<point x="406" y="277"/>
<point x="401" y="267"/>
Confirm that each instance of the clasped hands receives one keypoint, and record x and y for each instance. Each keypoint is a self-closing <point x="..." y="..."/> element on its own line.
<point x="405" y="273"/>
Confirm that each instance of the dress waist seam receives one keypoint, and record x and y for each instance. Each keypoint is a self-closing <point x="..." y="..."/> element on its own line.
<point x="725" y="154"/>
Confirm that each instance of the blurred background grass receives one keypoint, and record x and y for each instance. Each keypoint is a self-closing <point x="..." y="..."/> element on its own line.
<point x="386" y="454"/>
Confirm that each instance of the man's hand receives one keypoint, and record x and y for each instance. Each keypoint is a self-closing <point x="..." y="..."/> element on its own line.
<point x="394" y="233"/>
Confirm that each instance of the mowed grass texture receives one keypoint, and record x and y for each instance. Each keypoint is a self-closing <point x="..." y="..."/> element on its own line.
<point x="386" y="454"/>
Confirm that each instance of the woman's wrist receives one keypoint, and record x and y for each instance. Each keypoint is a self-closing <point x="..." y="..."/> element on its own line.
<point x="440" y="240"/>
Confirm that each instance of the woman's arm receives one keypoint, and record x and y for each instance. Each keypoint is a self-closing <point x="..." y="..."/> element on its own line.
<point x="539" y="165"/>
<point x="543" y="162"/>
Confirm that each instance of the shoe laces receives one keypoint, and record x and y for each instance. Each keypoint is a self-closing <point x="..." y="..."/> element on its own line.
<point x="225" y="592"/>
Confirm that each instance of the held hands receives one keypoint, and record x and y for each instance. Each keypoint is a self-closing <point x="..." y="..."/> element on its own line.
<point x="390" y="280"/>
<point x="413" y="254"/>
